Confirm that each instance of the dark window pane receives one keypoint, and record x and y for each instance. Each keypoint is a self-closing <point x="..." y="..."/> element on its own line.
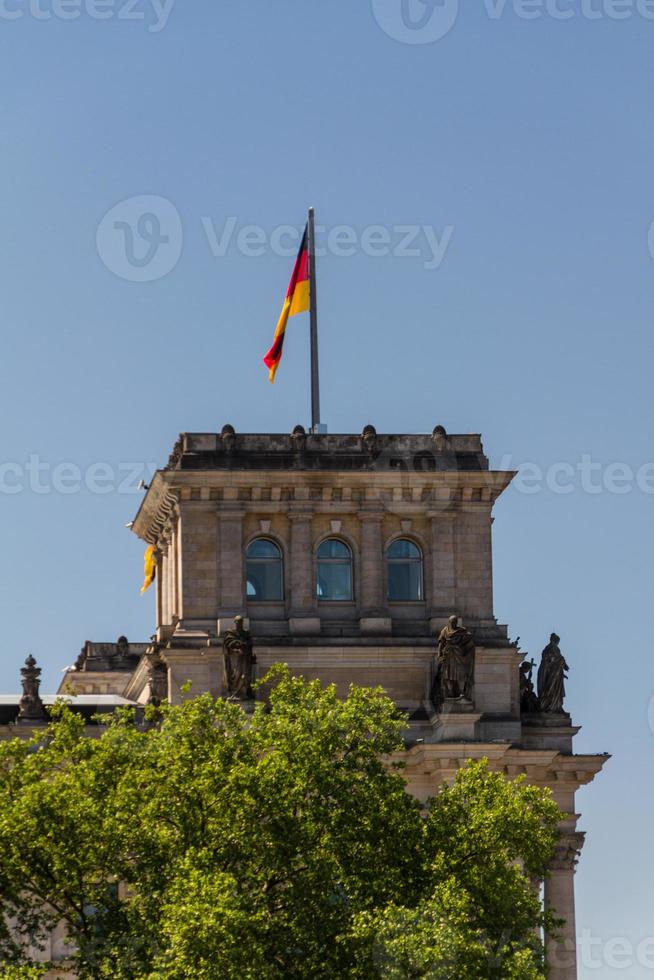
<point x="263" y="571"/>
<point x="264" y="580"/>
<point x="405" y="581"/>
<point x="404" y="549"/>
<point x="332" y="548"/>
<point x="335" y="581"/>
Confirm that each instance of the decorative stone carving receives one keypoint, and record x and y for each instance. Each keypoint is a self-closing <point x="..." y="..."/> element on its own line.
<point x="568" y="849"/>
<point x="176" y="454"/>
<point x="439" y="437"/>
<point x="551" y="678"/>
<point x="299" y="438"/>
<point x="528" y="698"/>
<point x="31" y="706"/>
<point x="228" y="436"/>
<point x="157" y="676"/>
<point x="239" y="660"/>
<point x="369" y="439"/>
<point x="455" y="665"/>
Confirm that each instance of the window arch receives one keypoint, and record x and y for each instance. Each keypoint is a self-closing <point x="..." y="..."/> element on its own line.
<point x="404" y="571"/>
<point x="334" y="578"/>
<point x="264" y="571"/>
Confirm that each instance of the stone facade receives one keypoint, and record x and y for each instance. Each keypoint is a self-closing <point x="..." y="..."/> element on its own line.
<point x="220" y="492"/>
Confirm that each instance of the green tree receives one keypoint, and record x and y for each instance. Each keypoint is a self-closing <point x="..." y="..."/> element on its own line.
<point x="211" y="845"/>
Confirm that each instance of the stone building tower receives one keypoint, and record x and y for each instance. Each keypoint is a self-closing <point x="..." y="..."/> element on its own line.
<point x="346" y="555"/>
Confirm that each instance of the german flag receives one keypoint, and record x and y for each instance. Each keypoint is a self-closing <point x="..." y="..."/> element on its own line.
<point x="297" y="301"/>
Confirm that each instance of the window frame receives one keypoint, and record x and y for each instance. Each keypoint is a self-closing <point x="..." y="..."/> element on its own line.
<point x="334" y="562"/>
<point x="419" y="561"/>
<point x="265" y="561"/>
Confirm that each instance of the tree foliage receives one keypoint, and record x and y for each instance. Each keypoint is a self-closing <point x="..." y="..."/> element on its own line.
<point x="213" y="845"/>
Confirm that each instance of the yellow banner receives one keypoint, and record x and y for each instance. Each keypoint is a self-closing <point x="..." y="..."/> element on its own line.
<point x="150" y="568"/>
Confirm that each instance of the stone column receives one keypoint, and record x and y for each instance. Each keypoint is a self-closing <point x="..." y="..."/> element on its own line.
<point x="303" y="614"/>
<point x="175" y="571"/>
<point x="158" y="584"/>
<point x="442" y="600"/>
<point x="372" y="584"/>
<point x="162" y="574"/>
<point x="561" y="944"/>
<point x="168" y="563"/>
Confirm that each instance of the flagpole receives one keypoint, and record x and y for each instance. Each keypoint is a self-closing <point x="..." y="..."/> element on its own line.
<point x="313" y="315"/>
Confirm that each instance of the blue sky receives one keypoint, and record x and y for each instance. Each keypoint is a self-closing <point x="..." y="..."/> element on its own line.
<point x="523" y="144"/>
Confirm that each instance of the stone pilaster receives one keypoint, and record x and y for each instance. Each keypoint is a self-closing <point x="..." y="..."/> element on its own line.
<point x="442" y="597"/>
<point x="303" y="613"/>
<point x="372" y="584"/>
<point x="474" y="561"/>
<point x="231" y="598"/>
<point x="561" y="945"/>
<point x="198" y="567"/>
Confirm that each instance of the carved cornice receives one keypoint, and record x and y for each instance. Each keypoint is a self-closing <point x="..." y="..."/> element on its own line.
<point x="158" y="511"/>
<point x="542" y="767"/>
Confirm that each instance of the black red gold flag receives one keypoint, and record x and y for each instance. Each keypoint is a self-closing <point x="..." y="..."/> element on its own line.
<point x="297" y="301"/>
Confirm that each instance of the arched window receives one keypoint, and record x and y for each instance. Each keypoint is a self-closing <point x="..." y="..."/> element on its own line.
<point x="263" y="571"/>
<point x="334" y="571"/>
<point x="404" y="567"/>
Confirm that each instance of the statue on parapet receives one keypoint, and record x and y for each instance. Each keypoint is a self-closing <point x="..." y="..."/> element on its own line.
<point x="157" y="674"/>
<point x="239" y="662"/>
<point x="31" y="708"/>
<point x="551" y="678"/>
<point x="455" y="664"/>
<point x="528" y="696"/>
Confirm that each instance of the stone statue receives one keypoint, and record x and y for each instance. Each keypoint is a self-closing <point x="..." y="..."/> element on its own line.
<point x="369" y="438"/>
<point x="157" y="674"/>
<point x="528" y="698"/>
<point x="455" y="663"/>
<point x="31" y="706"/>
<point x="239" y="661"/>
<point x="299" y="438"/>
<point x="228" y="436"/>
<point x="551" y="677"/>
